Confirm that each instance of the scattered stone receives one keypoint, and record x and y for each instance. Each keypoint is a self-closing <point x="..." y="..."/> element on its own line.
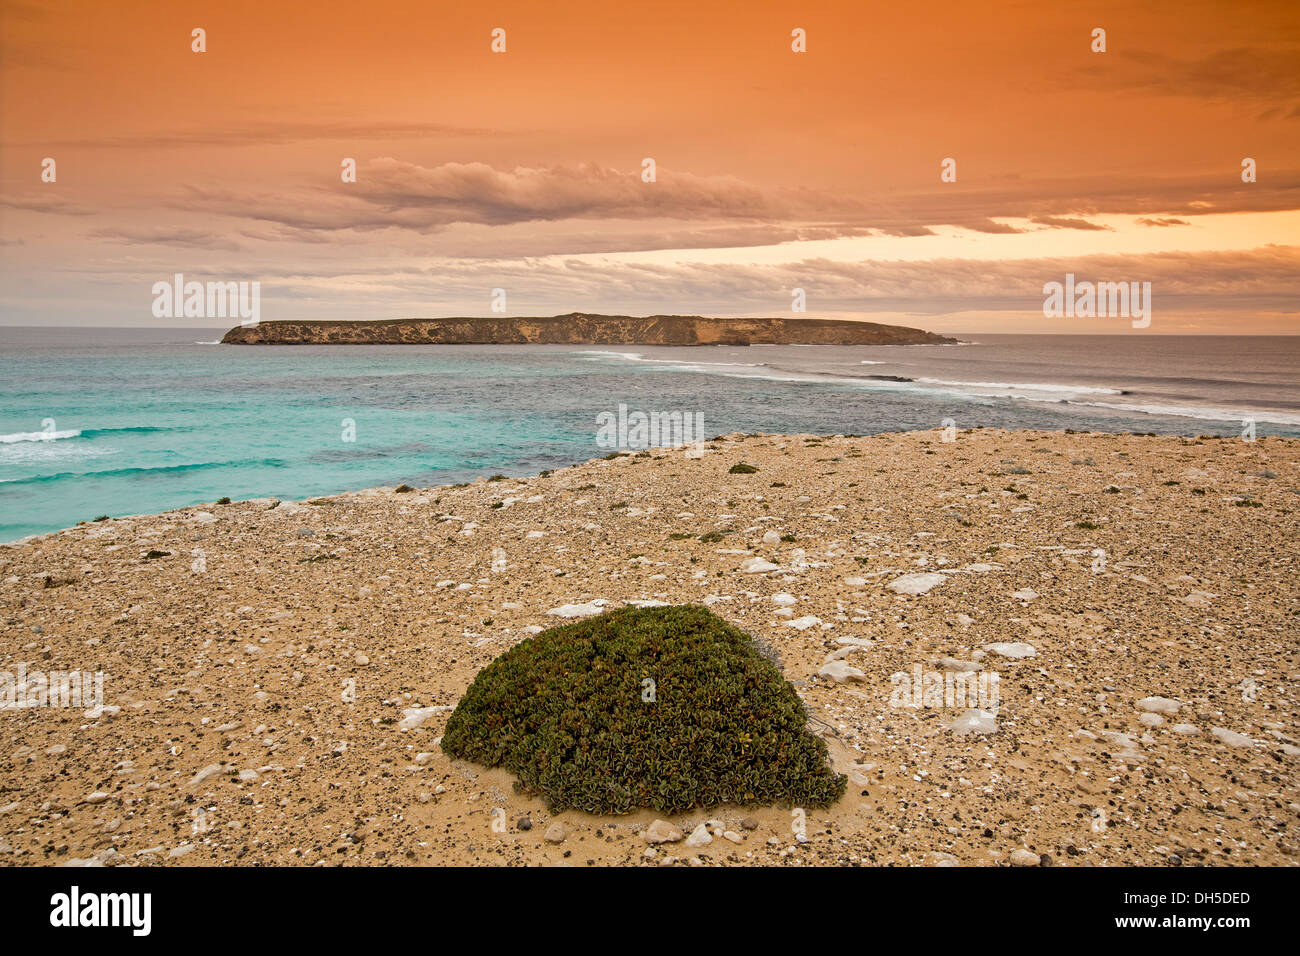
<point x="973" y="720"/>
<point x="915" y="584"/>
<point x="1231" y="737"/>
<point x="841" y="672"/>
<point x="699" y="836"/>
<point x="557" y="832"/>
<point x="1016" y="650"/>
<point x="206" y="774"/>
<point x="589" y="609"/>
<point x="661" y="831"/>
<point x="1158" y="705"/>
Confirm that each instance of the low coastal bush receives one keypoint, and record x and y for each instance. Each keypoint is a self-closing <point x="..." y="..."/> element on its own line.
<point x="668" y="708"/>
<point x="741" y="468"/>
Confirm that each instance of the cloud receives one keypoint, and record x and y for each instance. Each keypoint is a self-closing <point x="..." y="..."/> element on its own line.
<point x="1060" y="222"/>
<point x="1258" y="73"/>
<point x="268" y="133"/>
<point x="1162" y="221"/>
<point x="721" y="210"/>
<point x="171" y="237"/>
<point x="46" y="201"/>
<point x="1263" y="279"/>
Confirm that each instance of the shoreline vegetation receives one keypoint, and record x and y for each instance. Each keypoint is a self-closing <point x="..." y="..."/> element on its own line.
<point x="277" y="675"/>
<point x="583" y="329"/>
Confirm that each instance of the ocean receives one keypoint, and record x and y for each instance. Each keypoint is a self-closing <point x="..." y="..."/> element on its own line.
<point x="97" y="421"/>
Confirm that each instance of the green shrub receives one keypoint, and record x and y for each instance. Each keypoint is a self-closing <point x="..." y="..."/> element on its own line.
<point x="741" y="468"/>
<point x="565" y="711"/>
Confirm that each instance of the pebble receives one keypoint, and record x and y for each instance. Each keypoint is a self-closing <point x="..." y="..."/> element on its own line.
<point x="1016" y="650"/>
<point x="803" y="623"/>
<point x="206" y="774"/>
<point x="589" y="609"/>
<point x="915" y="584"/>
<point x="699" y="836"/>
<point x="661" y="831"/>
<point x="555" y="833"/>
<point x="1231" y="737"/>
<point x="1158" y="705"/>
<point x="841" y="672"/>
<point x="974" y="721"/>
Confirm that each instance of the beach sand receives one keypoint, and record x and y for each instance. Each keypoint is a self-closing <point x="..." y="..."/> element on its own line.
<point x="277" y="675"/>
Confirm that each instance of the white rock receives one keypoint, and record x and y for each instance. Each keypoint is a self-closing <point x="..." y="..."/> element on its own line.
<point x="1231" y="737"/>
<point x="556" y="833"/>
<point x="771" y="537"/>
<point x="206" y="774"/>
<point x="413" y="717"/>
<point x="699" y="836"/>
<point x="579" y="610"/>
<point x="785" y="600"/>
<point x="856" y="582"/>
<point x="1185" y="729"/>
<point x="916" y="583"/>
<point x="1025" y="858"/>
<point x="1016" y="649"/>
<point x="841" y="672"/>
<point x="1025" y="594"/>
<point x="661" y="831"/>
<point x="974" y="721"/>
<point x="1150" y="720"/>
<point x="1158" y="705"/>
<point x="757" y="566"/>
<point x="803" y="623"/>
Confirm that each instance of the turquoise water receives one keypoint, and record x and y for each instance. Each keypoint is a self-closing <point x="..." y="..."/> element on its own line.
<point x="129" y="421"/>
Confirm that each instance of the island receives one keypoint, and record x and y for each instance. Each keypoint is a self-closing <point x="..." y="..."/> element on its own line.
<point x="577" y="328"/>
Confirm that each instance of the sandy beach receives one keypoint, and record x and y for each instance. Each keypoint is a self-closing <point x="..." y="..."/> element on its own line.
<point x="276" y="675"/>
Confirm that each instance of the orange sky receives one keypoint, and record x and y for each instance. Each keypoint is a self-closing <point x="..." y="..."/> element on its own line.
<point x="775" y="169"/>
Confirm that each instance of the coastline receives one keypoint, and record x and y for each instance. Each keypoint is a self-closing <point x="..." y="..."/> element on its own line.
<point x="229" y="655"/>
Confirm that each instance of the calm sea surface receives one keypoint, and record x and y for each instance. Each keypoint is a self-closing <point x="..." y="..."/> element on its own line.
<point x="129" y="421"/>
